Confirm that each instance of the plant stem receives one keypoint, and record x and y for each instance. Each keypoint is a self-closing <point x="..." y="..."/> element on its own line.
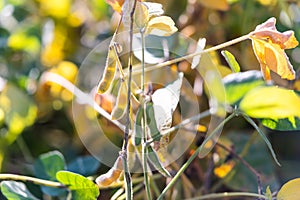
<point x="127" y="175"/>
<point x="229" y="194"/>
<point x="144" y="121"/>
<point x="24" y="148"/>
<point x="183" y="123"/>
<point x="37" y="181"/>
<point x="193" y="156"/>
<point x="214" y="48"/>
<point x="264" y="137"/>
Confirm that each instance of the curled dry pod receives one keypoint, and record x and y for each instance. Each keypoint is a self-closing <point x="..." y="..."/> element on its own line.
<point x="112" y="175"/>
<point x="121" y="103"/>
<point x="112" y="61"/>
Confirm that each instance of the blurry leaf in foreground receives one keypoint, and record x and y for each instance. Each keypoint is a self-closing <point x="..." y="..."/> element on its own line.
<point x="116" y="4"/>
<point x="238" y="84"/>
<point x="20" y="40"/>
<point x="234" y="65"/>
<point x="81" y="187"/>
<point x="268" y="2"/>
<point x="286" y="124"/>
<point x="46" y="167"/>
<point x="19" y="111"/>
<point x="13" y="190"/>
<point x="269" y="45"/>
<point x="271" y="102"/>
<point x="55" y="8"/>
<point x="84" y="165"/>
<point x="290" y="190"/>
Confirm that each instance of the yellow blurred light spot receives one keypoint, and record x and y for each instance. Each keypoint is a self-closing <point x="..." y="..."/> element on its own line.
<point x="5" y="103"/>
<point x="68" y="70"/>
<point x="75" y="19"/>
<point x="201" y="128"/>
<point x="55" y="8"/>
<point x="21" y="41"/>
<point x="57" y="104"/>
<point x="268" y="2"/>
<point x="16" y="126"/>
<point x="52" y="55"/>
<point x="66" y="95"/>
<point x="223" y="170"/>
<point x="209" y="144"/>
<point x="2" y="115"/>
<point x="90" y="113"/>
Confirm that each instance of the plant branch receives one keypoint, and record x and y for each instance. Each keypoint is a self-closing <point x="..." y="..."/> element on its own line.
<point x="15" y="177"/>
<point x="193" y="156"/>
<point x="229" y="194"/>
<point x="176" y="60"/>
<point x="127" y="175"/>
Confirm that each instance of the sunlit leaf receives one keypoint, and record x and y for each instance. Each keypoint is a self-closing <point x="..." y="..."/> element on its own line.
<point x="81" y="187"/>
<point x="269" y="45"/>
<point x="215" y="4"/>
<point x="121" y="102"/>
<point x="268" y="193"/>
<point x="286" y="124"/>
<point x="161" y="26"/>
<point x="110" y="69"/>
<point x="13" y="190"/>
<point x="153" y="158"/>
<point x="238" y="84"/>
<point x="234" y="65"/>
<point x="200" y="46"/>
<point x="290" y="190"/>
<point x="165" y="101"/>
<point x="84" y="165"/>
<point x="112" y="175"/>
<point x="46" y="167"/>
<point x="271" y="102"/>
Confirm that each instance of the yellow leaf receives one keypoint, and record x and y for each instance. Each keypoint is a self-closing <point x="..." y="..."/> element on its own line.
<point x="224" y="169"/>
<point x="215" y="4"/>
<point x="271" y="102"/>
<point x="290" y="190"/>
<point x="269" y="45"/>
<point x="161" y="26"/>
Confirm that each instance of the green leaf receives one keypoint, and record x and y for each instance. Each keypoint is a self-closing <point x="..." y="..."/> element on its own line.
<point x="238" y="84"/>
<point x="271" y="102"/>
<point x="230" y="59"/>
<point x="268" y="193"/>
<point x="290" y="190"/>
<point x="151" y="122"/>
<point x="286" y="124"/>
<point x="85" y="165"/>
<point x="138" y="126"/>
<point x="153" y="158"/>
<point x="19" y="110"/>
<point x="81" y="187"/>
<point x="46" y="167"/>
<point x="13" y="190"/>
<point x="240" y="177"/>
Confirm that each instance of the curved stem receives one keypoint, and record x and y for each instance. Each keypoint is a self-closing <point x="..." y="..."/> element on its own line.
<point x="15" y="177"/>
<point x="214" y="48"/>
<point x="229" y="194"/>
<point x="193" y="156"/>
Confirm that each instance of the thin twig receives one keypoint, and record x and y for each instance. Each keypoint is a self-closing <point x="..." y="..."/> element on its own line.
<point x="229" y="194"/>
<point x="176" y="60"/>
